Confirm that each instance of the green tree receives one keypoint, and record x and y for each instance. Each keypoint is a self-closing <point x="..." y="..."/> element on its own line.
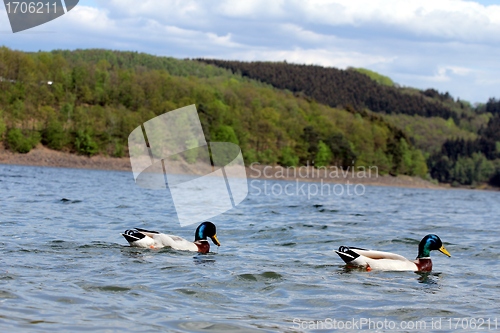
<point x="381" y="79"/>
<point x="406" y="166"/>
<point x="343" y="150"/>
<point x="324" y="155"/>
<point x="267" y="157"/>
<point x="419" y="165"/>
<point x="225" y="133"/>
<point x="54" y="135"/>
<point x="85" y="144"/>
<point x="288" y="157"/>
<point x="382" y="162"/>
<point x="18" y="142"/>
<point x="119" y="149"/>
<point x="3" y="127"/>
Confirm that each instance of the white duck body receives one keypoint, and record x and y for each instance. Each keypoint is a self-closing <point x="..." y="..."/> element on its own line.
<point x="159" y="240"/>
<point x="155" y="240"/>
<point x="388" y="261"/>
<point x="379" y="260"/>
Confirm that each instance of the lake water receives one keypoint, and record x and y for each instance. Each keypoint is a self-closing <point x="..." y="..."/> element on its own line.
<point x="65" y="267"/>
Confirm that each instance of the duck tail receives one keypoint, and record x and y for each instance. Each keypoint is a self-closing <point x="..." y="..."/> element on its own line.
<point x="132" y="235"/>
<point x="149" y="231"/>
<point x="346" y="254"/>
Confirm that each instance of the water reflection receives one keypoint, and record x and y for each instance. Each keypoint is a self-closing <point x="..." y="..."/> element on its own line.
<point x="202" y="259"/>
<point x="429" y="278"/>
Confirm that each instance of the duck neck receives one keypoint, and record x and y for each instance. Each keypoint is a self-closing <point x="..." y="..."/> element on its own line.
<point x="424" y="251"/>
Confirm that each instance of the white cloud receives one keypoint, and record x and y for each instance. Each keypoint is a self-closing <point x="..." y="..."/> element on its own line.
<point x="89" y="18"/>
<point x="307" y="36"/>
<point x="444" y="74"/>
<point x="322" y="57"/>
<point x="449" y="19"/>
<point x="224" y="41"/>
<point x="185" y="12"/>
<point x="255" y="9"/>
<point x="474" y="83"/>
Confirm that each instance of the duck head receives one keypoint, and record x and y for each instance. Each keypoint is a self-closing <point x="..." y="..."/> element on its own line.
<point x="429" y="243"/>
<point x="204" y="230"/>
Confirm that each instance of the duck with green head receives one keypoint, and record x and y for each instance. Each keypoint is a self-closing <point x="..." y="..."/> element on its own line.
<point x="387" y="261"/>
<point x="153" y="239"/>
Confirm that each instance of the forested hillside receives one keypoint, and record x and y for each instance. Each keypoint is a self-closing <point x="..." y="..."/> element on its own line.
<point x="88" y="102"/>
<point x="338" y="88"/>
<point x="461" y="143"/>
<point x="95" y="98"/>
<point x="470" y="161"/>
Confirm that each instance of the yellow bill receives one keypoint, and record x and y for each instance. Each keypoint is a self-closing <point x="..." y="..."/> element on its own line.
<point x="444" y="251"/>
<point x="216" y="241"/>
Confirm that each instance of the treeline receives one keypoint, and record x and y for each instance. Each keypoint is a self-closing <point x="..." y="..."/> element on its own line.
<point x="460" y="149"/>
<point x="470" y="162"/>
<point x="139" y="61"/>
<point x="88" y="102"/>
<point x="380" y="79"/>
<point x="429" y="134"/>
<point x="493" y="106"/>
<point x="339" y="88"/>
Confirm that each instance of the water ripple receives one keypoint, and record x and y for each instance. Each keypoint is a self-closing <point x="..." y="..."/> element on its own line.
<point x="65" y="266"/>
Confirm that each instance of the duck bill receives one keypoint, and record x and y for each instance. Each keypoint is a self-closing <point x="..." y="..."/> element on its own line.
<point x="444" y="251"/>
<point x="215" y="240"/>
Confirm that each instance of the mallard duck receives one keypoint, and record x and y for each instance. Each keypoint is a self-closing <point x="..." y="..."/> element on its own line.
<point x="387" y="261"/>
<point x="153" y="239"/>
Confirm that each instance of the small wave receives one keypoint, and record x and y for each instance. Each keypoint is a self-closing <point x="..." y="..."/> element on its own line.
<point x="265" y="276"/>
<point x="323" y="210"/>
<point x="193" y="326"/>
<point x="4" y="294"/>
<point x="68" y="201"/>
<point x="108" y="288"/>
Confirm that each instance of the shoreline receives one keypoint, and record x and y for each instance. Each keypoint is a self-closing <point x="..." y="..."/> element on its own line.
<point x="336" y="176"/>
<point x="45" y="157"/>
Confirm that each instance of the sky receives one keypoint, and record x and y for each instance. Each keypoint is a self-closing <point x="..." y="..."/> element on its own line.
<point x="449" y="45"/>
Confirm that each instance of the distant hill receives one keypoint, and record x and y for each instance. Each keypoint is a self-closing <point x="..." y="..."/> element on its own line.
<point x="97" y="97"/>
<point x="88" y="101"/>
<point x="338" y="88"/>
<point x="380" y="79"/>
<point x="458" y="139"/>
<point x="137" y="61"/>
